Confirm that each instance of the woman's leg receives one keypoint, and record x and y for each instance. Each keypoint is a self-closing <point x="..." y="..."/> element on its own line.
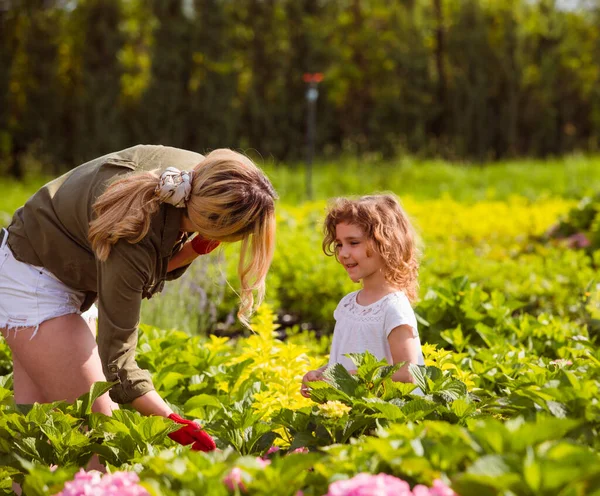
<point x="61" y="361"/>
<point x="26" y="391"/>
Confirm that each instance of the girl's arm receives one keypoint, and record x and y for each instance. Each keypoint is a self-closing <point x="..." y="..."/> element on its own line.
<point x="404" y="349"/>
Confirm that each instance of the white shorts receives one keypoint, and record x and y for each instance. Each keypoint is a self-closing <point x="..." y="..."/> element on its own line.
<point x="30" y="295"/>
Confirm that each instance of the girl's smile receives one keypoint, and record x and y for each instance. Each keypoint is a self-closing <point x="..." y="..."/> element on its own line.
<point x="356" y="255"/>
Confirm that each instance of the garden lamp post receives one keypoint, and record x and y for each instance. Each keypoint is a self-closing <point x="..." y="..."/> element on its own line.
<point x="312" y="93"/>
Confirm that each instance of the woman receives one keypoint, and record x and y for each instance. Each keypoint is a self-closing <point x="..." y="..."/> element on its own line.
<point x="113" y="230"/>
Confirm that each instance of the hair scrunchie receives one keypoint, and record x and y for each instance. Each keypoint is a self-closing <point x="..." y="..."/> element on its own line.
<point x="175" y="187"/>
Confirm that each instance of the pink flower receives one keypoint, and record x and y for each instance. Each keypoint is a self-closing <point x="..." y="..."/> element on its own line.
<point x="370" y="485"/>
<point x="233" y="480"/>
<point x="561" y="362"/>
<point x="385" y="485"/>
<point x="304" y="449"/>
<point x="237" y="476"/>
<point x="578" y="240"/>
<point x="272" y="449"/>
<point x="420" y="490"/>
<point x="93" y="482"/>
<point x="262" y="462"/>
<point x="440" y="489"/>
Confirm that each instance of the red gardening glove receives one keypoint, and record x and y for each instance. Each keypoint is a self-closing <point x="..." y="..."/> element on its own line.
<point x="203" y="246"/>
<point x="191" y="434"/>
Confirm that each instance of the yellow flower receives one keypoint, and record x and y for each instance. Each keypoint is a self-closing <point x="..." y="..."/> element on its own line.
<point x="334" y="409"/>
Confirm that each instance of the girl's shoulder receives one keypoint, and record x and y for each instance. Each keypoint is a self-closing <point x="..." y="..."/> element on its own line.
<point x="396" y="302"/>
<point x="398" y="312"/>
<point x="398" y="299"/>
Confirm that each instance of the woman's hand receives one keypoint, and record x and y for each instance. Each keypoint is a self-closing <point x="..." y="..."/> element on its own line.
<point x="192" y="434"/>
<point x="202" y="246"/>
<point x="152" y="404"/>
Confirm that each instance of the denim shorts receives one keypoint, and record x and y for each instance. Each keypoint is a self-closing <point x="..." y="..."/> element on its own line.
<point x="30" y="295"/>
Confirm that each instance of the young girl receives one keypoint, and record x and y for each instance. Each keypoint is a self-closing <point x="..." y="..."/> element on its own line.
<point x="373" y="239"/>
<point x="114" y="230"/>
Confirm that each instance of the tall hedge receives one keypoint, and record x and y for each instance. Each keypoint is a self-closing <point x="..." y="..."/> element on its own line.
<point x="462" y="79"/>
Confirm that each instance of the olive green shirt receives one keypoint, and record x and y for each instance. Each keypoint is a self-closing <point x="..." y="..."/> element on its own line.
<point x="51" y="231"/>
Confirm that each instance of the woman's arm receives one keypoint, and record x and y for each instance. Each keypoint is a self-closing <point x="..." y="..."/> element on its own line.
<point x="190" y="250"/>
<point x="121" y="280"/>
<point x="403" y="347"/>
<point x="151" y="404"/>
<point x="183" y="257"/>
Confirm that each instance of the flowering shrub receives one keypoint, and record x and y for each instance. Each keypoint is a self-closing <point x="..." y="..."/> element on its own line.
<point x="93" y="482"/>
<point x="237" y="477"/>
<point x="334" y="409"/>
<point x="438" y="489"/>
<point x="510" y="403"/>
<point x="385" y="485"/>
<point x="580" y="228"/>
<point x="234" y="479"/>
<point x="370" y="485"/>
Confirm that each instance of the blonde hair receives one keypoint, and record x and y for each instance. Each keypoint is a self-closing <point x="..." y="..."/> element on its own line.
<point x="388" y="230"/>
<point x="231" y="200"/>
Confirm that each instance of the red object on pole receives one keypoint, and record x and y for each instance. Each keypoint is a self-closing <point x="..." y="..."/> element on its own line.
<point x="312" y="77"/>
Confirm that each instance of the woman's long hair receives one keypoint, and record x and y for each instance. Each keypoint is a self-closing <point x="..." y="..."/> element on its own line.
<point x="389" y="231"/>
<point x="231" y="200"/>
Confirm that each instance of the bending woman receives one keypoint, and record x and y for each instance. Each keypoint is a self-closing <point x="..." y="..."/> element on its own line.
<point x="114" y="230"/>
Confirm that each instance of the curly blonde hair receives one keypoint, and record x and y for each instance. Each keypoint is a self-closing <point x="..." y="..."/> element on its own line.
<point x="389" y="231"/>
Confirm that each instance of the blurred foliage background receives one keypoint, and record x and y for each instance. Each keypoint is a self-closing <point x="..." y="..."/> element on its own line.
<point x="475" y="80"/>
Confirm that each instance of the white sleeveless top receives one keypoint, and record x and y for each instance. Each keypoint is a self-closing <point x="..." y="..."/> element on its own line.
<point x="361" y="328"/>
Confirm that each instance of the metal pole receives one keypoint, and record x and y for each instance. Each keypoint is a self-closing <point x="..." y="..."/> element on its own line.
<point x="311" y="96"/>
<point x="312" y="93"/>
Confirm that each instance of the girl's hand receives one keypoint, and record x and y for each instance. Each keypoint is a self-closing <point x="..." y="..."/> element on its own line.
<point x="192" y="434"/>
<point x="310" y="376"/>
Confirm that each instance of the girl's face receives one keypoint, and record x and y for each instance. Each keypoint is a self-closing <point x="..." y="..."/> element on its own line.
<point x="355" y="253"/>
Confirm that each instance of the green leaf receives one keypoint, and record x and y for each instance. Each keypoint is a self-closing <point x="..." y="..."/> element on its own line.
<point x="557" y="409"/>
<point x="341" y="379"/>
<point x="321" y="391"/>
<point x="545" y="428"/>
<point x="154" y="429"/>
<point x="462" y="407"/>
<point x="452" y="391"/>
<point x="201" y="400"/>
<point x="97" y="390"/>
<point x="490" y="466"/>
<point x="419" y="374"/>
<point x="532" y="471"/>
<point x="304" y="440"/>
<point x="395" y="390"/>
<point x="353" y="427"/>
<point x="386" y="410"/>
<point x="418" y="408"/>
